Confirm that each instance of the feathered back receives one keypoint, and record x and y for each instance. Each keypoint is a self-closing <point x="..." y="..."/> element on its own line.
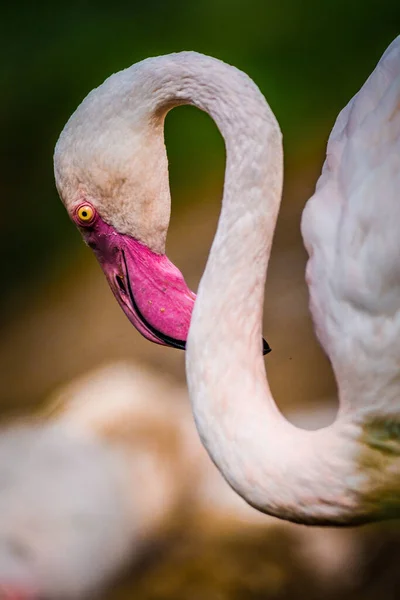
<point x="351" y="230"/>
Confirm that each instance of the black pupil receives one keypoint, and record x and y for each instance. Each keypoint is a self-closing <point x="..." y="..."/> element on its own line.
<point x="84" y="213"/>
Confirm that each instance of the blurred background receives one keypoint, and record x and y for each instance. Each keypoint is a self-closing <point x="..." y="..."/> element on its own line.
<point x="58" y="318"/>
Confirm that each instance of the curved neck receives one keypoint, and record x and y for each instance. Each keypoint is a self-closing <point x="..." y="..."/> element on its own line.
<point x="317" y="477"/>
<point x="309" y="477"/>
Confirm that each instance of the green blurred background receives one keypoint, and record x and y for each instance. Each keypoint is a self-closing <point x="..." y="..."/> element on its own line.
<point x="308" y="57"/>
<point x="57" y="316"/>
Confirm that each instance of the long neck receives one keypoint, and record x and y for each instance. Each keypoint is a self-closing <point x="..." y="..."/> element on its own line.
<point x="310" y="477"/>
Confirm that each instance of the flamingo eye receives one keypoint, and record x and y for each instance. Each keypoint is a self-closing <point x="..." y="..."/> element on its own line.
<point x="85" y="214"/>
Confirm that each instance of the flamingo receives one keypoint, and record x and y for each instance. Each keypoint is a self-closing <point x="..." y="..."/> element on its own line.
<point x="95" y="478"/>
<point x="102" y="474"/>
<point x="112" y="175"/>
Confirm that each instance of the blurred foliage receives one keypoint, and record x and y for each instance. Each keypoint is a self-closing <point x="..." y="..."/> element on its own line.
<point x="308" y="57"/>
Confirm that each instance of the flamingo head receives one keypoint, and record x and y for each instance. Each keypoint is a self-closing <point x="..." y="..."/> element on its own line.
<point x="111" y="172"/>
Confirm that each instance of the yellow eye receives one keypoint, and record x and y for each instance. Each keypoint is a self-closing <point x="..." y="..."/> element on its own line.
<point x="85" y="213"/>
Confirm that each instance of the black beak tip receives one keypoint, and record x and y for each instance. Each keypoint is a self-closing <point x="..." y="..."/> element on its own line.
<point x="266" y="348"/>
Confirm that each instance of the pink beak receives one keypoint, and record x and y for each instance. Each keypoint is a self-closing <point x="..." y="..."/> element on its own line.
<point x="149" y="288"/>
